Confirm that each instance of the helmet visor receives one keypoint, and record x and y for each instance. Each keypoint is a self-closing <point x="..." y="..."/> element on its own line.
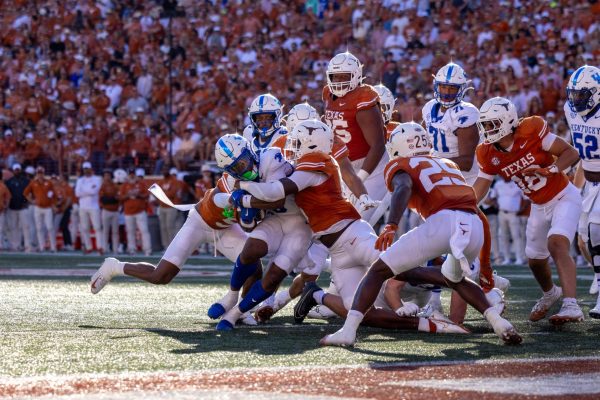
<point x="244" y="167"/>
<point x="579" y="99"/>
<point x="264" y="122"/>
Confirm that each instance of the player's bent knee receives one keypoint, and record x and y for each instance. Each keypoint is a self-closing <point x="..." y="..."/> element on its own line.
<point x="381" y="269"/>
<point x="558" y="244"/>
<point x="254" y="250"/>
<point x="164" y="273"/>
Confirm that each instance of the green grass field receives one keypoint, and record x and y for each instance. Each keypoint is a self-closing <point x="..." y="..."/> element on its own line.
<point x="54" y="325"/>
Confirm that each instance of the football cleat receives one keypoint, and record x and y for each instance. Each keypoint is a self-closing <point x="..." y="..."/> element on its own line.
<point x="501" y="282"/>
<point x="247" y="319"/>
<point x="224" y="325"/>
<point x="595" y="312"/>
<point x="321" y="312"/>
<point x="569" y="312"/>
<point x="496" y="299"/>
<point x="540" y="309"/>
<point x="306" y="302"/>
<point x="594" y="286"/>
<point x="445" y="326"/>
<point x="105" y="273"/>
<point x="226" y="303"/>
<point x="340" y="338"/>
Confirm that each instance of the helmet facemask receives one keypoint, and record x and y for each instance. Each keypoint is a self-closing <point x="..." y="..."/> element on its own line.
<point x="581" y="100"/>
<point x="491" y="130"/>
<point x="245" y="167"/>
<point x="265" y="122"/>
<point x="448" y="94"/>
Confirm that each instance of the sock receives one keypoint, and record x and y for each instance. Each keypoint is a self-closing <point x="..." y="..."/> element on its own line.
<point x="492" y="315"/>
<point x="353" y="320"/>
<point x="254" y="297"/>
<point x="436" y="294"/>
<point x="318" y="296"/>
<point x="282" y="298"/>
<point x="597" y="276"/>
<point x="120" y="269"/>
<point x="569" y="300"/>
<point x="551" y="291"/>
<point x="426" y="325"/>
<point x="230" y="299"/>
<point x="240" y="273"/>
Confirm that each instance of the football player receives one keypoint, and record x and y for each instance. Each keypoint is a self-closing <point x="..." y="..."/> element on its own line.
<point x="282" y="235"/>
<point x="437" y="190"/>
<point x="527" y="153"/>
<point x="212" y="219"/>
<point x="265" y="129"/>
<point x="386" y="102"/>
<point x="582" y="111"/>
<point x="452" y="123"/>
<point x="352" y="112"/>
<point x="335" y="223"/>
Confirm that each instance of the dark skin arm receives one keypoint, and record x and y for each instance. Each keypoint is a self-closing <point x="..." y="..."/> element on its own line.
<point x="400" y="197"/>
<point x="371" y="124"/>
<point x="468" y="138"/>
<point x="350" y="178"/>
<point x="288" y="185"/>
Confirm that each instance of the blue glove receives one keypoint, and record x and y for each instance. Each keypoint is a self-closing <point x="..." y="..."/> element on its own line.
<point x="247" y="215"/>
<point x="236" y="197"/>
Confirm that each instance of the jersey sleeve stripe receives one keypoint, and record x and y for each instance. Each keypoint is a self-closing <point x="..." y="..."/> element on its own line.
<point x="544" y="129"/>
<point x="310" y="165"/>
<point x="366" y="103"/>
<point x="340" y="152"/>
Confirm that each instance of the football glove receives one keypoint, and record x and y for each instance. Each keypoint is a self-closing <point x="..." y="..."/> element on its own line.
<point x="248" y="215"/>
<point x="386" y="238"/>
<point x="408" y="309"/>
<point x="365" y="203"/>
<point x="547" y="171"/>
<point x="236" y="198"/>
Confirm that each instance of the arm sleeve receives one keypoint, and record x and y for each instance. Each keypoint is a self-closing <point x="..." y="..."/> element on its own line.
<point x="483" y="175"/>
<point x="547" y="141"/>
<point x="269" y="191"/>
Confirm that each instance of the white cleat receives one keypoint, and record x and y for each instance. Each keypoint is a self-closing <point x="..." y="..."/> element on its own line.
<point x="321" y="312"/>
<point x="105" y="273"/>
<point x="340" y="338"/>
<point x="501" y="283"/>
<point x="569" y="312"/>
<point x="594" y="286"/>
<point x="540" y="309"/>
<point x="496" y="299"/>
<point x="247" y="319"/>
<point x="506" y="332"/>
<point x="446" y="326"/>
<point x="595" y="312"/>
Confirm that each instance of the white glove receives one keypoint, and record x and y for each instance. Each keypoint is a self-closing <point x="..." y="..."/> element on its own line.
<point x="365" y="203"/>
<point x="408" y="309"/>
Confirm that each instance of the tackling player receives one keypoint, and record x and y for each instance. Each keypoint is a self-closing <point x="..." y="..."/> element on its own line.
<point x="527" y="153"/>
<point x="437" y="190"/>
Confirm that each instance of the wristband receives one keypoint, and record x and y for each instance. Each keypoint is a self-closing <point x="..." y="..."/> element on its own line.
<point x="363" y="175"/>
<point x="553" y="168"/>
<point x="246" y="201"/>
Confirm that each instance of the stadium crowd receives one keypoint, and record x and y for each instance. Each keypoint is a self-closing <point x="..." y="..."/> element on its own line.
<point x="87" y="87"/>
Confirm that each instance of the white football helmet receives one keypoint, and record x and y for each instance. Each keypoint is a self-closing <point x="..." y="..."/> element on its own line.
<point x="408" y="139"/>
<point x="309" y="137"/>
<point x="234" y="155"/>
<point x="120" y="175"/>
<point x="453" y="80"/>
<point x="344" y="63"/>
<point x="265" y="104"/>
<point x="583" y="89"/>
<point x="386" y="102"/>
<point x="300" y="112"/>
<point x="498" y="118"/>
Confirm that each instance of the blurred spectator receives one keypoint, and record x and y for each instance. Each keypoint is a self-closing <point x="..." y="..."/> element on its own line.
<point x="62" y="208"/>
<point x="40" y="193"/>
<point x="168" y="217"/>
<point x="509" y="198"/>
<point x="5" y="197"/>
<point x="109" y="204"/>
<point x="489" y="206"/>
<point x="17" y="215"/>
<point x="204" y="184"/>
<point x="133" y="194"/>
<point x="87" y="190"/>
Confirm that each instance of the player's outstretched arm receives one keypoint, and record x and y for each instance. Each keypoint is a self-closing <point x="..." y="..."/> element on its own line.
<point x="481" y="186"/>
<point x="371" y="124"/>
<point x="350" y="178"/>
<point x="468" y="138"/>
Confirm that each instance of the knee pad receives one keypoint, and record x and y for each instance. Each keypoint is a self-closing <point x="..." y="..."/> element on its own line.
<point x="594" y="245"/>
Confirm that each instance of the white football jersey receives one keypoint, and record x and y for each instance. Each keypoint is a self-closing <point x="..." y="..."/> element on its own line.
<point x="257" y="146"/>
<point x="585" y="133"/>
<point x="273" y="167"/>
<point x="442" y="127"/>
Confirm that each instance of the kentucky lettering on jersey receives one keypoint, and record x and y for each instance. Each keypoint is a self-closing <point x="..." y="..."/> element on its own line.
<point x="585" y="133"/>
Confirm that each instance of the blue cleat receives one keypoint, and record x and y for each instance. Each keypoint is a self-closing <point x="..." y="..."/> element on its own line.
<point x="216" y="311"/>
<point x="224" y="325"/>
